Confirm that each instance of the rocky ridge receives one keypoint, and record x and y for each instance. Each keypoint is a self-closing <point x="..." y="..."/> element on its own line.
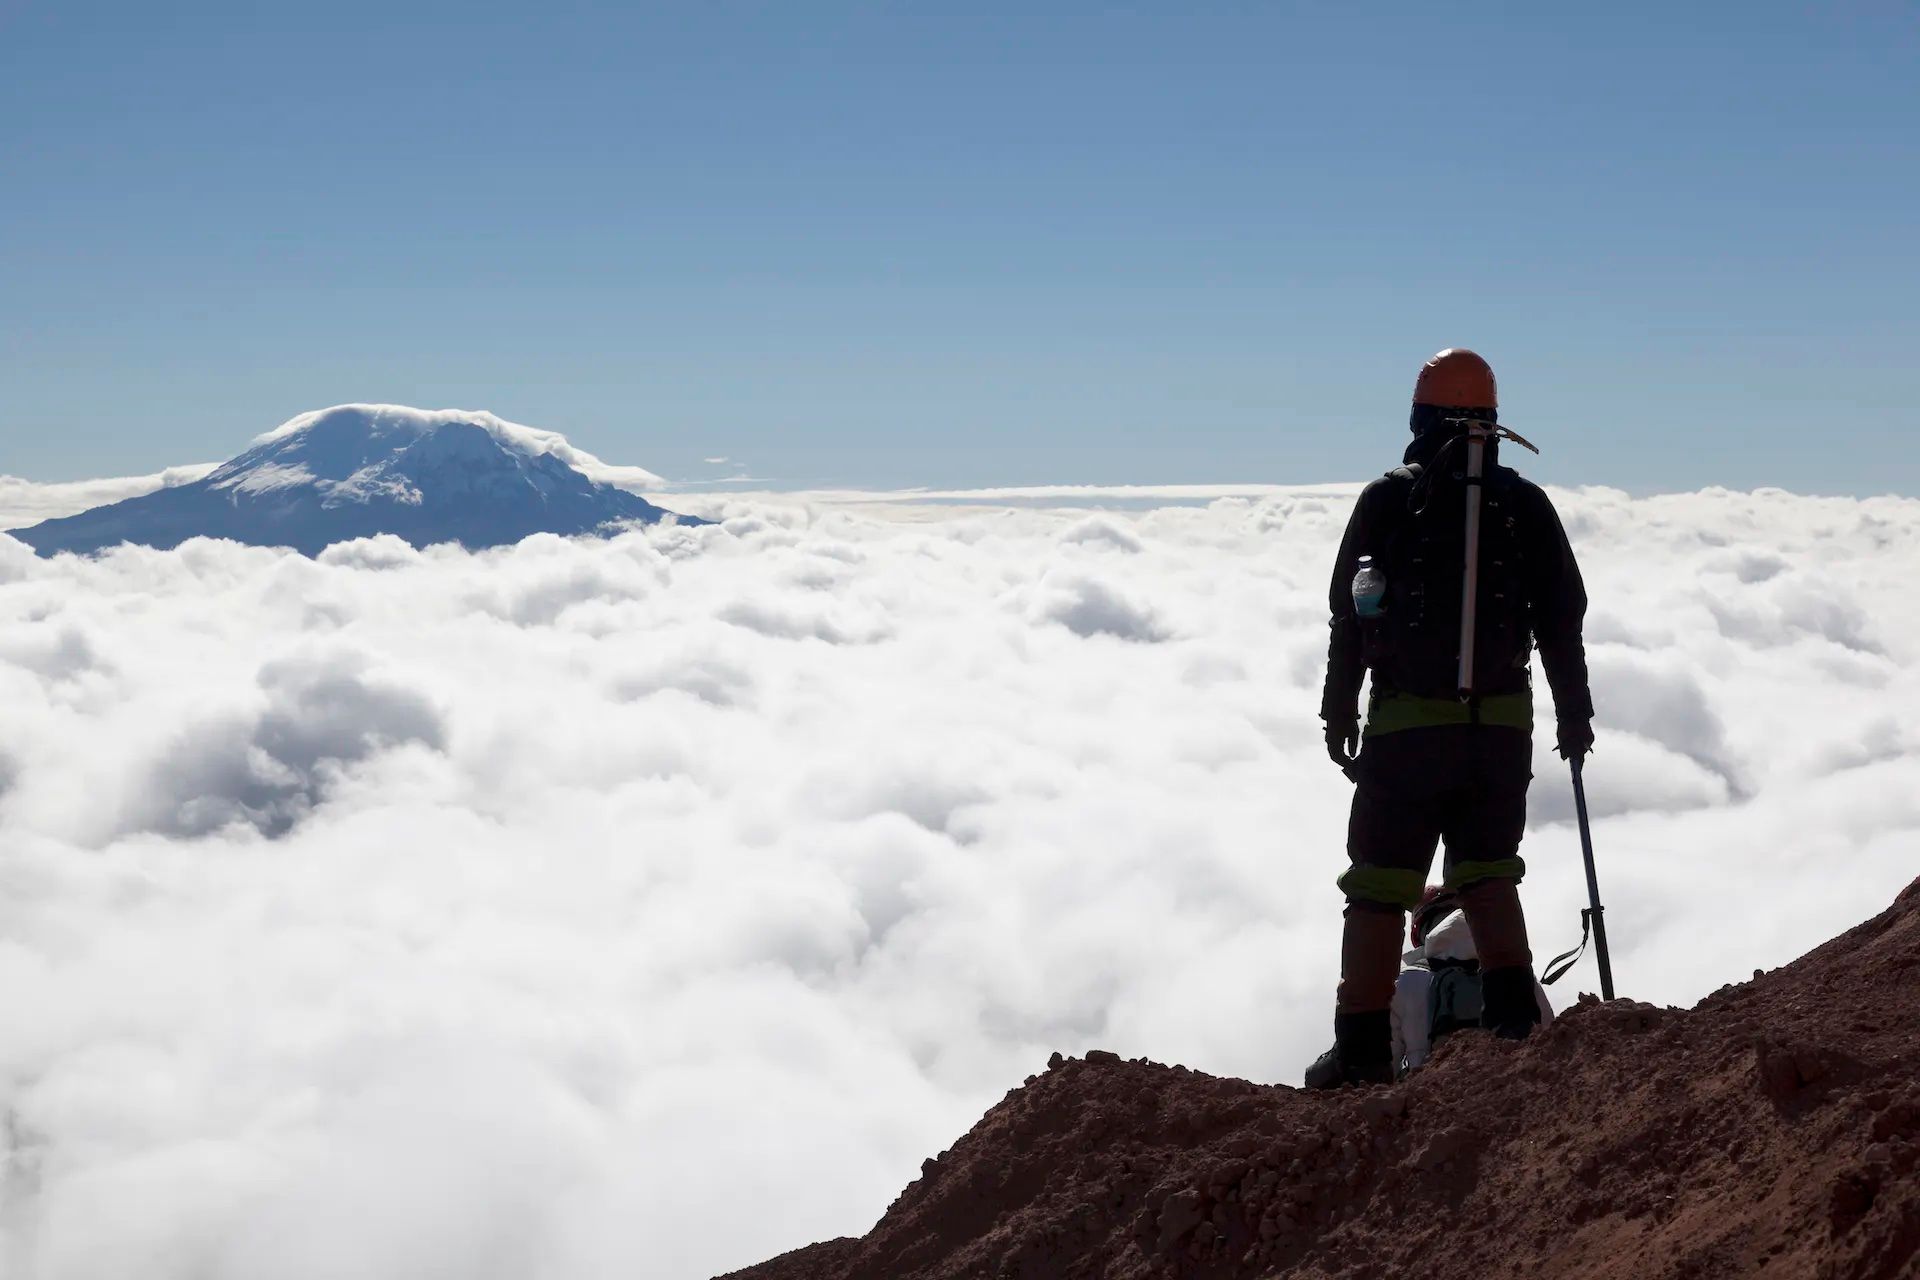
<point x="1771" y="1131"/>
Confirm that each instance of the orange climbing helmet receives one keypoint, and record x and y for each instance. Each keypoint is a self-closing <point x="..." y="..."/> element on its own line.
<point x="1457" y="379"/>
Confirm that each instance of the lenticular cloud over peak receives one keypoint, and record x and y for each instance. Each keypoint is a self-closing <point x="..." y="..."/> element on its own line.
<point x="378" y="421"/>
<point x="356" y="471"/>
<point x="648" y="905"/>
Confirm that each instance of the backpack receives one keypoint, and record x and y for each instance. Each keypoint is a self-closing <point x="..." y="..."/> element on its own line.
<point x="1413" y="646"/>
<point x="1453" y="997"/>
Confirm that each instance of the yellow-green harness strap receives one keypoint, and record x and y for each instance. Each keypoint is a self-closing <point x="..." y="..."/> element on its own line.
<point x="1391" y="712"/>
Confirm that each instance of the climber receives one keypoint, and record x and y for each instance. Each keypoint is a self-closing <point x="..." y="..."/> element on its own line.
<point x="1434" y="766"/>
<point x="1438" y="991"/>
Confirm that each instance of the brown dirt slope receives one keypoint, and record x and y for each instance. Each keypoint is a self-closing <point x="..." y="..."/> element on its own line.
<point x="1772" y="1131"/>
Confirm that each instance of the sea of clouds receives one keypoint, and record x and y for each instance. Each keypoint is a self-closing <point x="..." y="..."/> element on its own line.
<point x="649" y="907"/>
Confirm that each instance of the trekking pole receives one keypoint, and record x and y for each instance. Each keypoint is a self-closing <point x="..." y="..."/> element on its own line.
<point x="1598" y="917"/>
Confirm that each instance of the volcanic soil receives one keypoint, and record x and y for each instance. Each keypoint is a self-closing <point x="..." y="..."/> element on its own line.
<point x="1771" y="1131"/>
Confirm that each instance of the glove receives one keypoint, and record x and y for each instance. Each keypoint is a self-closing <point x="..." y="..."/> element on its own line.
<point x="1574" y="739"/>
<point x="1343" y="743"/>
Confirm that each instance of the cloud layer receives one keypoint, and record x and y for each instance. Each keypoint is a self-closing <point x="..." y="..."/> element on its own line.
<point x="23" y="502"/>
<point x="563" y="910"/>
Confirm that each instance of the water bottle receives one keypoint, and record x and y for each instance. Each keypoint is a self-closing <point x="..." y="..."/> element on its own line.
<point x="1369" y="589"/>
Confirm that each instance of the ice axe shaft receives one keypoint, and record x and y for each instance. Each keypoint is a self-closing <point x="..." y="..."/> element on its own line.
<point x="1479" y="434"/>
<point x="1599" y="916"/>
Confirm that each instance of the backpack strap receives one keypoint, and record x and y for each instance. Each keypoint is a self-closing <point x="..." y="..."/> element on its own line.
<point x="1406" y="481"/>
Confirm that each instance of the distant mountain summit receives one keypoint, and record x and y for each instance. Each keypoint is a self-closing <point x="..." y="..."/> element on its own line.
<point x="356" y="470"/>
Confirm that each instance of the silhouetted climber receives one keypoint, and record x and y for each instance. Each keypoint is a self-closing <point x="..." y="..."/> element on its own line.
<point x="1438" y="991"/>
<point x="1447" y="751"/>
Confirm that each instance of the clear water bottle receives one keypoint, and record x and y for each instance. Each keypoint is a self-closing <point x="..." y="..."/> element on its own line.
<point x="1369" y="589"/>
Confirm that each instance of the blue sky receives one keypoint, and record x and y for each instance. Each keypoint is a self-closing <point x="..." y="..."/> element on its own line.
<point x="958" y="245"/>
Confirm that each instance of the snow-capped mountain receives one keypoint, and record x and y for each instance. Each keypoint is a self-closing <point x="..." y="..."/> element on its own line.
<point x="355" y="470"/>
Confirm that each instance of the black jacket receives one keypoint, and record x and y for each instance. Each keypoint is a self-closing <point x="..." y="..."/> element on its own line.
<point x="1556" y="598"/>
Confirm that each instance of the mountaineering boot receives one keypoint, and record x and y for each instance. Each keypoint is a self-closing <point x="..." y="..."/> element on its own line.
<point x="1362" y="1052"/>
<point x="1508" y="1008"/>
